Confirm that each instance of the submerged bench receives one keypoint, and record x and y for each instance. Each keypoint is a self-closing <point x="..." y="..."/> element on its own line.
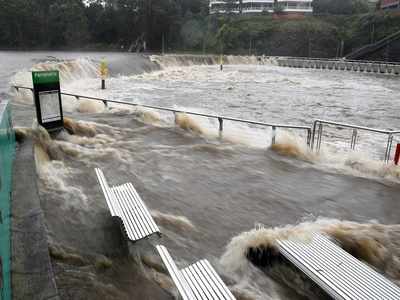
<point x="198" y="281"/>
<point x="337" y="272"/>
<point x="125" y="203"/>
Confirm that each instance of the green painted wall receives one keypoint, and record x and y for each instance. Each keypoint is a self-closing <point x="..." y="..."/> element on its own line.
<point x="7" y="152"/>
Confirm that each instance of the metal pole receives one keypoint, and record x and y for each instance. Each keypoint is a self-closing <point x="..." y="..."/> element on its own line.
<point x="319" y="141"/>
<point x="309" y="137"/>
<point x="221" y="126"/>
<point x="354" y="139"/>
<point x="273" y="135"/>
<point x="388" y="148"/>
<point x="313" y="134"/>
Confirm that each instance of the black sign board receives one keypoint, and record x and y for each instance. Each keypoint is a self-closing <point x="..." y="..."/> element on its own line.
<point x="46" y="86"/>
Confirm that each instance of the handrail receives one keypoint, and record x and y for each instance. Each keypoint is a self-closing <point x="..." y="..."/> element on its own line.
<point x="311" y="131"/>
<point x="373" y="47"/>
<point x="340" y="60"/>
<point x="316" y="139"/>
<point x="214" y="116"/>
<point x="356" y="126"/>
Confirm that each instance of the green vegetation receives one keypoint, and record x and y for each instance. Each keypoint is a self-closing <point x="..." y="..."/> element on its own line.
<point x="184" y="25"/>
<point x="341" y="7"/>
<point x="314" y="36"/>
<point x="100" y="23"/>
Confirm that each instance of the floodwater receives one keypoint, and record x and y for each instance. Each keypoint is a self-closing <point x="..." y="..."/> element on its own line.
<point x="214" y="196"/>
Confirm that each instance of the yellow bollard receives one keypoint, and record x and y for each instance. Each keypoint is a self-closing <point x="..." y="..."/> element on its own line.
<point x="103" y="73"/>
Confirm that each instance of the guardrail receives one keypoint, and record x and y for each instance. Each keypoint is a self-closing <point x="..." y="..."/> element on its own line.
<point x="220" y="119"/>
<point x="318" y="128"/>
<point x="338" y="59"/>
<point x="340" y="64"/>
<point x="313" y="134"/>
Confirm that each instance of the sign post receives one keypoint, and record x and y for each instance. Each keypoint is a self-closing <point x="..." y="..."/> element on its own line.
<point x="103" y="74"/>
<point x="46" y="88"/>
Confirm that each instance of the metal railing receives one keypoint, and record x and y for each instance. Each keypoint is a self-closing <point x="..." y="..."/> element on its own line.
<point x="340" y="60"/>
<point x="220" y="118"/>
<point x="314" y="134"/>
<point x="318" y="128"/>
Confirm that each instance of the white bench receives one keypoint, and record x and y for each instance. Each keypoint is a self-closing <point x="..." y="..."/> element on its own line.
<point x="337" y="272"/>
<point x="125" y="203"/>
<point x="198" y="281"/>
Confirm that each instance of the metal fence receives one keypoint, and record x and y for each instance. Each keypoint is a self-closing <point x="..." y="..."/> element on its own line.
<point x="314" y="134"/>
<point x="318" y="128"/>
<point x="221" y="119"/>
<point x="7" y="152"/>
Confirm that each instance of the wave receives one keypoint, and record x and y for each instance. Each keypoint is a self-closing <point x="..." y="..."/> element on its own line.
<point x="374" y="243"/>
<point x="186" y="122"/>
<point x="180" y="223"/>
<point x="69" y="71"/>
<point x="180" y="60"/>
<point x="75" y="72"/>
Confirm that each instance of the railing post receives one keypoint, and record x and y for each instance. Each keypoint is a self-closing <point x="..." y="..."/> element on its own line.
<point x="273" y="135"/>
<point x="221" y="126"/>
<point x="319" y="140"/>
<point x="354" y="139"/>
<point x="313" y="134"/>
<point x="388" y="148"/>
<point x="308" y="137"/>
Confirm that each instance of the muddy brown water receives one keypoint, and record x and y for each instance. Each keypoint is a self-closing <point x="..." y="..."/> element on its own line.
<point x="203" y="192"/>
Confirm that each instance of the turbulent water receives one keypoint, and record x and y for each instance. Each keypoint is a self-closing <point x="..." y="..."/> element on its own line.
<point x="208" y="192"/>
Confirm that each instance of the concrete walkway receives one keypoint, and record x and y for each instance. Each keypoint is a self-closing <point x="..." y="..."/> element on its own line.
<point x="32" y="274"/>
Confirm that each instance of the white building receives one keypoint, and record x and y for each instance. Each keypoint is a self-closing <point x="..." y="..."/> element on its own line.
<point x="259" y="6"/>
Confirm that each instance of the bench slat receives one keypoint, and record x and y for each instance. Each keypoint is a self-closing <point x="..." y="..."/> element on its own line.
<point x="197" y="285"/>
<point x="217" y="279"/>
<point x="176" y="275"/>
<point x="142" y="206"/>
<point x="135" y="214"/>
<point x="349" y="273"/>
<point x="341" y="275"/>
<point x="124" y="202"/>
<point x="136" y="211"/>
<point x="106" y="190"/>
<point x="205" y="272"/>
<point x="345" y="264"/>
<point x="368" y="274"/>
<point x="200" y="279"/>
<point x="128" y="217"/>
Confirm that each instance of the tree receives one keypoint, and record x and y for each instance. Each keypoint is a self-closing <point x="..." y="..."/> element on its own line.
<point x="68" y="24"/>
<point x="340" y="7"/>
